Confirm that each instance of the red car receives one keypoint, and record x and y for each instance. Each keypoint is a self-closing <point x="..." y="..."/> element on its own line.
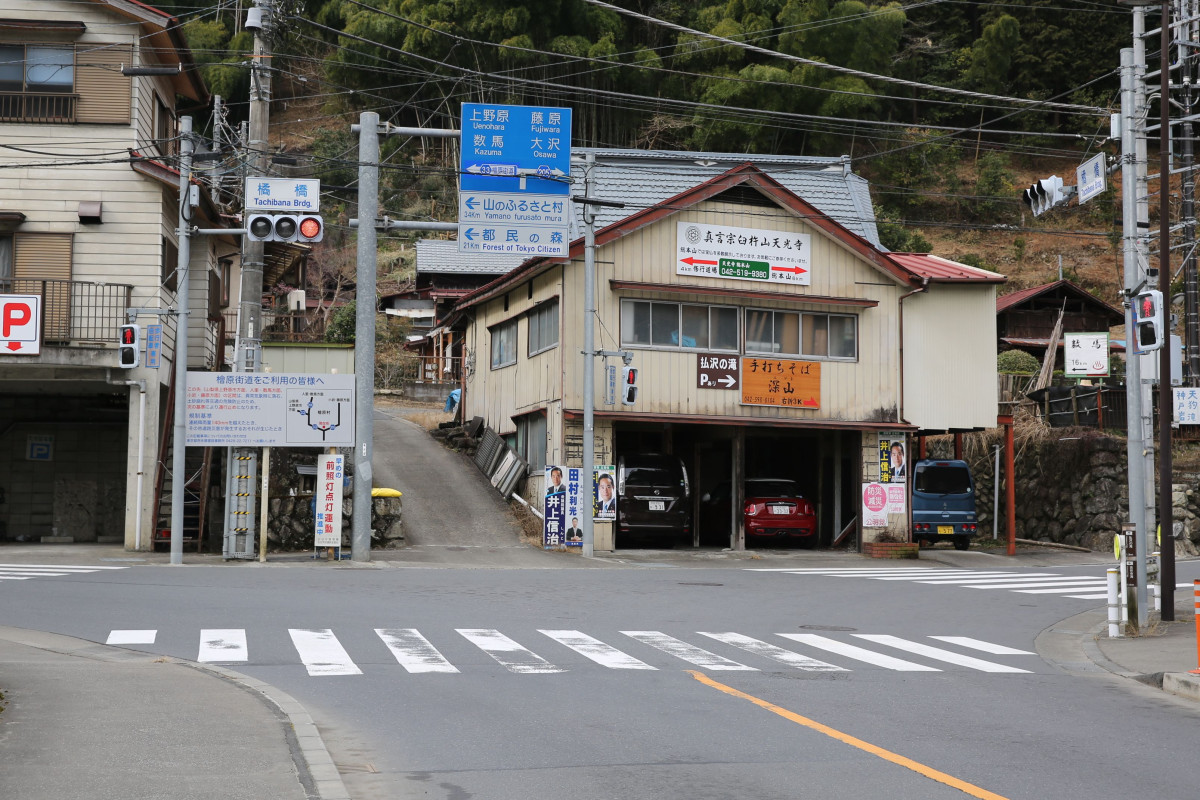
<point x="774" y="508"/>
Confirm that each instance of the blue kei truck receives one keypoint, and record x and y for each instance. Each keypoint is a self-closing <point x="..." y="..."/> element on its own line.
<point x="943" y="502"/>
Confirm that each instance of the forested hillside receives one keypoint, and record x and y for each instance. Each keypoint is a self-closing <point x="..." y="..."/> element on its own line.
<point x="948" y="107"/>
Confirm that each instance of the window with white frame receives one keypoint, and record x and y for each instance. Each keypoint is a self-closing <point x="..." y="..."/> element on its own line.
<point x="530" y="441"/>
<point x="833" y="336"/>
<point x="543" y="327"/>
<point x="504" y="344"/>
<point x="650" y="323"/>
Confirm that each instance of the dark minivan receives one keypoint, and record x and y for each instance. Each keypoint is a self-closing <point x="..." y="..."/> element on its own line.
<point x="943" y="502"/>
<point x="654" y="499"/>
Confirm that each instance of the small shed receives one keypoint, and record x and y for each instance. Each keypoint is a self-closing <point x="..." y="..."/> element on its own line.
<point x="1025" y="319"/>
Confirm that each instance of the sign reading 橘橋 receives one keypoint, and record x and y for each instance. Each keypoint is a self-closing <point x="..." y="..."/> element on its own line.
<point x="748" y="254"/>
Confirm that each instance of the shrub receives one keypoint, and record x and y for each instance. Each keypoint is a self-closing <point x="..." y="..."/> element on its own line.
<point x="1017" y="362"/>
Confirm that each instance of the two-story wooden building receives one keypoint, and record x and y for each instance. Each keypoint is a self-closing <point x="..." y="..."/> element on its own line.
<point x="89" y="198"/>
<point x="774" y="338"/>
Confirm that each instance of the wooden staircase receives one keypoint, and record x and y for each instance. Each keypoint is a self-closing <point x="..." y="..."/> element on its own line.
<point x="196" y="483"/>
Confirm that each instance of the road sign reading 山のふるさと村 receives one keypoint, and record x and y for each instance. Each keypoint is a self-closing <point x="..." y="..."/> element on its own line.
<point x="748" y="254"/>
<point x="1085" y="355"/>
<point x="269" y="410"/>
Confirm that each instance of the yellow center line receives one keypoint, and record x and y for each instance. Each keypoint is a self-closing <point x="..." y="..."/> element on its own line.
<point x="886" y="755"/>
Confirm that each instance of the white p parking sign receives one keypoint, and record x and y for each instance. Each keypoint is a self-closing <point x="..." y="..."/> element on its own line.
<point x="20" y="324"/>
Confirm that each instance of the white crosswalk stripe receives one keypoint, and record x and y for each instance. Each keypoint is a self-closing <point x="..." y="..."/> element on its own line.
<point x="507" y="652"/>
<point x="1082" y="587"/>
<point x="223" y="646"/>
<point x="323" y="655"/>
<point x="688" y="652"/>
<point x="24" y="572"/>
<point x="413" y="651"/>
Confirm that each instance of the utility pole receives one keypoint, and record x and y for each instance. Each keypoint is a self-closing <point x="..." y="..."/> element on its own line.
<point x="364" y="334"/>
<point x="242" y="462"/>
<point x="1187" y="207"/>
<point x="1165" y="405"/>
<point x="589" y="348"/>
<point x="183" y="314"/>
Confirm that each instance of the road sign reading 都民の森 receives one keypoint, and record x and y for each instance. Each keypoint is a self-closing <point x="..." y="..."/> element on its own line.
<point x="717" y="371"/>
<point x="20" y="324"/>
<point x="299" y="196"/>
<point x="749" y="254"/>
<point x="269" y="410"/>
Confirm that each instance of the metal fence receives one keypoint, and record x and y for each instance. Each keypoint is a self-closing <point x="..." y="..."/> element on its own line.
<point x="75" y="311"/>
<point x="34" y="107"/>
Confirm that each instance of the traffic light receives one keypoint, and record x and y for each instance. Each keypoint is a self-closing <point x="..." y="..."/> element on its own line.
<point x="1148" y="328"/>
<point x="629" y="387"/>
<point x="1045" y="195"/>
<point x="129" y="349"/>
<point x="284" y="228"/>
<point x="311" y="229"/>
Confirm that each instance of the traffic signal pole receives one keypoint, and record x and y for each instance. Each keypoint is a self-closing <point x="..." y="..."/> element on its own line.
<point x="1165" y="405"/>
<point x="183" y="314"/>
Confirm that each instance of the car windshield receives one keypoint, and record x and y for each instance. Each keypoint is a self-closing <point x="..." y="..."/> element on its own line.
<point x="651" y="476"/>
<point x="943" y="480"/>
<point x="772" y="488"/>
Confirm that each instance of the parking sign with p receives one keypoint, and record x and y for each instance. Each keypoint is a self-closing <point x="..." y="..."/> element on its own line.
<point x="20" y="324"/>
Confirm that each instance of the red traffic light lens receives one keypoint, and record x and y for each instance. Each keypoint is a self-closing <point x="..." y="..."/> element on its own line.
<point x="310" y="227"/>
<point x="127" y="336"/>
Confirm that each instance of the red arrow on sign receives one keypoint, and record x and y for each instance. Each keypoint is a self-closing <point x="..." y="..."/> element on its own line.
<point x="14" y="346"/>
<point x="692" y="261"/>
<point x="795" y="270"/>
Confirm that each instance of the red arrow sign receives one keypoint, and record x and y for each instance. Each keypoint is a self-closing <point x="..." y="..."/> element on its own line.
<point x="795" y="270"/>
<point x="692" y="261"/>
<point x="14" y="346"/>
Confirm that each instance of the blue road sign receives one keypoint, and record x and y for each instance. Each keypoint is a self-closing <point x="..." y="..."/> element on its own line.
<point x="515" y="149"/>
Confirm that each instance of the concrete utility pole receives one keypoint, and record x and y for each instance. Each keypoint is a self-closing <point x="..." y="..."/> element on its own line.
<point x="1165" y="404"/>
<point x="183" y="314"/>
<point x="242" y="462"/>
<point x="589" y="348"/>
<point x="364" y="334"/>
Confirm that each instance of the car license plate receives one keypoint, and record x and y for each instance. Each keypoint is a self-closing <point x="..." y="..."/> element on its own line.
<point x="658" y="505"/>
<point x="945" y="530"/>
<point x="780" y="509"/>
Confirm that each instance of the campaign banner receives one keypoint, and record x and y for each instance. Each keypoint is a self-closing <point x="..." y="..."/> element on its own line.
<point x="327" y="505"/>
<point x="562" y="507"/>
<point x="604" y="493"/>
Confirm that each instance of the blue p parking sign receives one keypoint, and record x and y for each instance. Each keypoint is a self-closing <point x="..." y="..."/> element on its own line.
<point x="39" y="447"/>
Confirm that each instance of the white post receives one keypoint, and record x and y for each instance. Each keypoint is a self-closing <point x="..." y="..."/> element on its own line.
<point x="1114" y="604"/>
<point x="996" y="497"/>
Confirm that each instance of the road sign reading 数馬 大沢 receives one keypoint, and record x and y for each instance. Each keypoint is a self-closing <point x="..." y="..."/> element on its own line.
<point x="748" y="254"/>
<point x="269" y="410"/>
<point x="716" y="371"/>
<point x="300" y="196"/>
<point x="784" y="382"/>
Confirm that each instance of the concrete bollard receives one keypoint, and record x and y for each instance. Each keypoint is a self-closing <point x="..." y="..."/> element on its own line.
<point x="1114" y="604"/>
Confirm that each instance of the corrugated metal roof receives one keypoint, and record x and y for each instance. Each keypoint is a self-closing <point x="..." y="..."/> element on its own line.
<point x="441" y="256"/>
<point x="1016" y="298"/>
<point x="938" y="269"/>
<point x="644" y="178"/>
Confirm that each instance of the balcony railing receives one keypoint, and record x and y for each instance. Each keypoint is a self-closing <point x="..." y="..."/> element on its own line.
<point x="75" y="311"/>
<point x="34" y="107"/>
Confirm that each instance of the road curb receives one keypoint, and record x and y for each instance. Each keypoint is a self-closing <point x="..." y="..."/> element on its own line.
<point x="324" y="782"/>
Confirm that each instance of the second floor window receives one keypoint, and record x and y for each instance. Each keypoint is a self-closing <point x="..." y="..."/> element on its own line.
<point x="37" y="82"/>
<point x="655" y="324"/>
<point x="543" y="327"/>
<point x="504" y="344"/>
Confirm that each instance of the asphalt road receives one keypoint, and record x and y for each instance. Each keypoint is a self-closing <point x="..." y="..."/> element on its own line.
<point x="507" y="725"/>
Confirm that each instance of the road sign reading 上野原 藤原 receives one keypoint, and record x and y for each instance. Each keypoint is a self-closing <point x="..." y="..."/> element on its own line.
<point x="784" y="382"/>
<point x="1085" y="355"/>
<point x="283" y="194"/>
<point x="20" y="324"/>
<point x="750" y="254"/>
<point x="269" y="410"/>
<point x="514" y="180"/>
<point x="716" y="371"/>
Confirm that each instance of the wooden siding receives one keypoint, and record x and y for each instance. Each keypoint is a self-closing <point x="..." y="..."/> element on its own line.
<point x="950" y="357"/>
<point x="862" y="390"/>
<point x="104" y="93"/>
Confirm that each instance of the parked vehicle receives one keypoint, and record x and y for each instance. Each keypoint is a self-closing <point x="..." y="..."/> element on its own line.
<point x="943" y="502"/>
<point x="773" y="509"/>
<point x="654" y="498"/>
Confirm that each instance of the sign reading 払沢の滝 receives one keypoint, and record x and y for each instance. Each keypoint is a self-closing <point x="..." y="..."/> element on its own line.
<point x="748" y="254"/>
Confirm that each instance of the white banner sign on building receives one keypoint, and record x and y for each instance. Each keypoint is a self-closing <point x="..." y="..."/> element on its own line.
<point x="874" y="505"/>
<point x="240" y="409"/>
<point x="1085" y="355"/>
<point x="748" y="254"/>
<point x="327" y="508"/>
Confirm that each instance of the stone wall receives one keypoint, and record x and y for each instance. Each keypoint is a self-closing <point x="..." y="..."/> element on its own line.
<point x="1072" y="487"/>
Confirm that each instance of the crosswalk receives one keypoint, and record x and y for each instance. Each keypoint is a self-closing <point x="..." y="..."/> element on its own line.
<point x="25" y="572"/>
<point x="1085" y="587"/>
<point x="322" y="654"/>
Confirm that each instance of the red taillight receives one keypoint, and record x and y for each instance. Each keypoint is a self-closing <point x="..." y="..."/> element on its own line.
<point x="970" y="526"/>
<point x="751" y="509"/>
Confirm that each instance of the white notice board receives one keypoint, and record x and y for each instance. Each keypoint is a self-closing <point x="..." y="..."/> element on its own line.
<point x="250" y="409"/>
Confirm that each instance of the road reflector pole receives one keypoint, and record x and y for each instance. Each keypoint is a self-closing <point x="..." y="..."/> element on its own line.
<point x="1196" y="611"/>
<point x="1114" y="604"/>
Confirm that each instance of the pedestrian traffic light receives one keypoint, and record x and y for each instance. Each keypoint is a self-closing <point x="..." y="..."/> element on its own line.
<point x="629" y="390"/>
<point x="284" y="228"/>
<point x="1045" y="195"/>
<point x="129" y="350"/>
<point x="1148" y="325"/>
<point x="311" y="228"/>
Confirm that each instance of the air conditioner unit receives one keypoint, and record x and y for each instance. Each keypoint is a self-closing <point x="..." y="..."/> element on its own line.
<point x="296" y="300"/>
